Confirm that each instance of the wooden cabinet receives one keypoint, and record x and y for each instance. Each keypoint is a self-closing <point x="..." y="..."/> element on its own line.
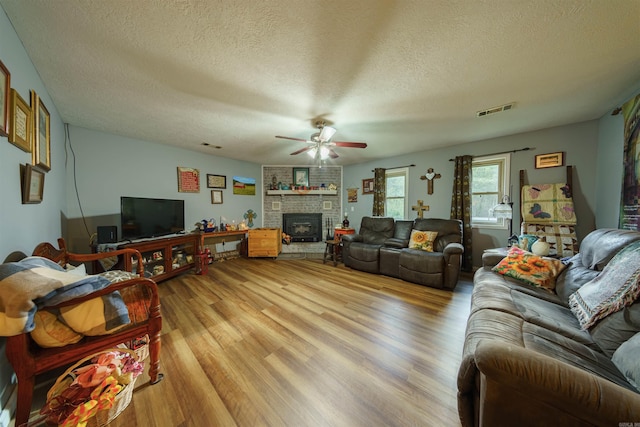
<point x="265" y="242"/>
<point x="166" y="257"/>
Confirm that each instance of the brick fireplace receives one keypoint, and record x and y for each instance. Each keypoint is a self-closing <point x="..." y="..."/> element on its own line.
<point x="327" y="207"/>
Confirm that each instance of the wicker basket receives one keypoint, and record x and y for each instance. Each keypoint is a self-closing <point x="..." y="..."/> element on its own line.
<point x="121" y="401"/>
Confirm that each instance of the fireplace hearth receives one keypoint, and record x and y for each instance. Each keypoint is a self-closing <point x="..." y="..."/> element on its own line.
<point x="303" y="227"/>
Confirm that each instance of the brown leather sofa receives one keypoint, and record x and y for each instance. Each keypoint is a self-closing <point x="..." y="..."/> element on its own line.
<point x="527" y="361"/>
<point x="381" y="247"/>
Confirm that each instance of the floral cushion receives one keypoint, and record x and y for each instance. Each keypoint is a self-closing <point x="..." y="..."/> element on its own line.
<point x="529" y="268"/>
<point x="422" y="240"/>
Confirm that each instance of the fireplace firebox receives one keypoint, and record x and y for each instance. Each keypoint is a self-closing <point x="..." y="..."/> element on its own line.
<point x="303" y="227"/>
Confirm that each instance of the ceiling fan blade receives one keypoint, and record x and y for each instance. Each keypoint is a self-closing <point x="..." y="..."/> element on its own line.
<point x="293" y="139"/>
<point x="350" y="144"/>
<point x="333" y="154"/>
<point x="302" y="150"/>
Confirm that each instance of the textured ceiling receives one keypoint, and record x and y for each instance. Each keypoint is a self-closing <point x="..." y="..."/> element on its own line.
<point x="403" y="76"/>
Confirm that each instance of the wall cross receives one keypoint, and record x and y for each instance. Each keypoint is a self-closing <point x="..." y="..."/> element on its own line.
<point x="430" y="176"/>
<point x="421" y="208"/>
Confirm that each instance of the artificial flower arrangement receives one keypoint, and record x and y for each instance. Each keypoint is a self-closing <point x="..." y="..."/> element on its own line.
<point x="286" y="239"/>
<point x="82" y="391"/>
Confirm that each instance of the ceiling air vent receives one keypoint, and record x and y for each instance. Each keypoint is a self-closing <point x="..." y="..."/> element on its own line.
<point x="494" y="110"/>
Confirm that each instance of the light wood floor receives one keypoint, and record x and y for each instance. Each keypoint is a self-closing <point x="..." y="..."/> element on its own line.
<point x="263" y="342"/>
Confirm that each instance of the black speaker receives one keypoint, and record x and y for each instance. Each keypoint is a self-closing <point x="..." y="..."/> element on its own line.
<point x="107" y="234"/>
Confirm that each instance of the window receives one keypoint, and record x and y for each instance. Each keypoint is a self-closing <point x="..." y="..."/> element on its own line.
<point x="489" y="183"/>
<point x="396" y="200"/>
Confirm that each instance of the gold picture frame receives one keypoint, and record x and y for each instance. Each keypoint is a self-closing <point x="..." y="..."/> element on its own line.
<point x="5" y="99"/>
<point x="32" y="180"/>
<point x="549" y="160"/>
<point x="20" y="122"/>
<point x="41" y="152"/>
<point x="188" y="180"/>
<point x="216" y="197"/>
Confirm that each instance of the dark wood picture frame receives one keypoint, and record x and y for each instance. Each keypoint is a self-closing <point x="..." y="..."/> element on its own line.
<point x="20" y="122"/>
<point x="41" y="152"/>
<point x="549" y="160"/>
<point x="32" y="180"/>
<point x="216" y="197"/>
<point x="5" y="99"/>
<point x="367" y="186"/>
<point x="216" y="181"/>
<point x="301" y="177"/>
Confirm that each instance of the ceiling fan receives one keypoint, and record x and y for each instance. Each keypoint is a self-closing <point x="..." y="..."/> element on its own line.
<point x="320" y="145"/>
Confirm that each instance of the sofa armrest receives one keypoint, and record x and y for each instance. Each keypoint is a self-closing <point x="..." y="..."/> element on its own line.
<point x="525" y="384"/>
<point x="453" y="249"/>
<point x="349" y="238"/>
<point x="491" y="257"/>
<point x="394" y="242"/>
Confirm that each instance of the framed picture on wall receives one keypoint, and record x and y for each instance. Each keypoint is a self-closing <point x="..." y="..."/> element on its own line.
<point x="550" y="160"/>
<point x="367" y="186"/>
<point x="32" y="180"/>
<point x="216" y="181"/>
<point x="188" y="180"/>
<point x="41" y="152"/>
<point x="5" y="92"/>
<point x="216" y="197"/>
<point x="20" y="122"/>
<point x="301" y="177"/>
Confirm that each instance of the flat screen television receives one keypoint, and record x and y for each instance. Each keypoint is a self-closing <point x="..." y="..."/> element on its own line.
<point x="141" y="217"/>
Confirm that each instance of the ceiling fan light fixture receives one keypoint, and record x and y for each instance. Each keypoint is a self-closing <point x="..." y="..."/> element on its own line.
<point x="321" y="152"/>
<point x="326" y="133"/>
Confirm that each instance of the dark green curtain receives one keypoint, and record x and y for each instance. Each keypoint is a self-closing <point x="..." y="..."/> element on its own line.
<point x="461" y="205"/>
<point x="379" y="191"/>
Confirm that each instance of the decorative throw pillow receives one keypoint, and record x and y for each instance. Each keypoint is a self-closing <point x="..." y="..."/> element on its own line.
<point x="529" y="268"/>
<point x="627" y="361"/>
<point x="526" y="240"/>
<point x="422" y="240"/>
<point x="615" y="288"/>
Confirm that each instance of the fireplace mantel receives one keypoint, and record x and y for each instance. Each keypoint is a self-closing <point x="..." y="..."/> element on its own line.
<point x="301" y="192"/>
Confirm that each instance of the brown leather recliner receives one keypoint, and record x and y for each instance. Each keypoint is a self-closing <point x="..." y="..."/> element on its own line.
<point x="440" y="268"/>
<point x="362" y="251"/>
<point x="382" y="247"/>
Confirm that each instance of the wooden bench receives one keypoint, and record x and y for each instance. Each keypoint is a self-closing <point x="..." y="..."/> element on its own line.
<point x="28" y="359"/>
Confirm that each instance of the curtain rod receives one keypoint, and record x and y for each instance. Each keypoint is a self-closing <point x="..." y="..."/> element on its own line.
<point x="397" y="167"/>
<point x="502" y="152"/>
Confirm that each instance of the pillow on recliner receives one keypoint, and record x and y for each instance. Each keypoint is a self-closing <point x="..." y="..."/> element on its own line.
<point x="529" y="268"/>
<point x="422" y="240"/>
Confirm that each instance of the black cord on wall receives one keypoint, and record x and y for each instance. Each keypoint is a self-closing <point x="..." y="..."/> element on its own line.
<point x="75" y="179"/>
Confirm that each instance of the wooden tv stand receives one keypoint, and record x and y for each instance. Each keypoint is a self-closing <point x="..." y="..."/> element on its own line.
<point x="165" y="257"/>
